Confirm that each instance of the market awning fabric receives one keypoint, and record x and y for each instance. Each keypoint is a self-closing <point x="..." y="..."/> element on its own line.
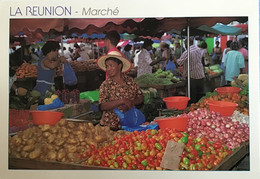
<point x="227" y="30"/>
<point x="154" y="27"/>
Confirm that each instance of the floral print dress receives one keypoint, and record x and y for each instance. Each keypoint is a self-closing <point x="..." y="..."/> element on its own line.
<point x="111" y="91"/>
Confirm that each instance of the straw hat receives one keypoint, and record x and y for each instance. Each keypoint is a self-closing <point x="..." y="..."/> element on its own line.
<point x="127" y="65"/>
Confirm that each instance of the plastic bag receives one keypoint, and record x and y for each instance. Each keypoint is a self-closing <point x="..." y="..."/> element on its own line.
<point x="69" y="75"/>
<point x="140" y="128"/>
<point x="56" y="103"/>
<point x="214" y="56"/>
<point x="131" y="118"/>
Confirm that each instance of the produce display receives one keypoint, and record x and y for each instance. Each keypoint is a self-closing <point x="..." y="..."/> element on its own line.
<point x="64" y="142"/>
<point x="241" y="100"/>
<point x="209" y="137"/>
<point x="84" y="65"/>
<point x="212" y="125"/>
<point x="242" y="82"/>
<point x="26" y="70"/>
<point x="24" y="99"/>
<point x="212" y="70"/>
<point x="158" y="78"/>
<point x="144" y="151"/>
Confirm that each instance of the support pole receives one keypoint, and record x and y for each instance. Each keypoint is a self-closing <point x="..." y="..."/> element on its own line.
<point x="188" y="49"/>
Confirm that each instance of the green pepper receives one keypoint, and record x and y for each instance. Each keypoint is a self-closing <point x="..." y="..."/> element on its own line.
<point x="200" y="153"/>
<point x="184" y="139"/>
<point x="158" y="146"/>
<point x="197" y="147"/>
<point x="185" y="160"/>
<point x="144" y="163"/>
<point x="115" y="164"/>
<point x="209" y="166"/>
<point x="200" y="165"/>
<point x="210" y="142"/>
<point x="127" y="152"/>
<point x="211" y="148"/>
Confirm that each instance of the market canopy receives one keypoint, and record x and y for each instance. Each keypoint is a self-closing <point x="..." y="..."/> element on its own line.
<point x="227" y="30"/>
<point x="138" y="26"/>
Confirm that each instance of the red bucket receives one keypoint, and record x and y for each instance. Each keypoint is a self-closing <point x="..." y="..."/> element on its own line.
<point x="46" y="117"/>
<point x="176" y="102"/>
<point x="225" y="108"/>
<point x="228" y="89"/>
<point x="177" y="123"/>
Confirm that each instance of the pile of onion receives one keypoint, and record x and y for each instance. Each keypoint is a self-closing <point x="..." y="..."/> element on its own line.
<point x="212" y="125"/>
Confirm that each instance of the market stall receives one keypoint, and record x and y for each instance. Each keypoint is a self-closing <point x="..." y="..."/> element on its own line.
<point x="208" y="139"/>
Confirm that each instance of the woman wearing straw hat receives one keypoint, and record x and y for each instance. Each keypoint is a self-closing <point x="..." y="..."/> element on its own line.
<point x="118" y="90"/>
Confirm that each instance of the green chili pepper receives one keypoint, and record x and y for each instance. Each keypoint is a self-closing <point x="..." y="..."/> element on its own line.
<point x="144" y="163"/>
<point x="184" y="139"/>
<point x="115" y="164"/>
<point x="200" y="165"/>
<point x="200" y="153"/>
<point x="197" y="147"/>
<point x="211" y="148"/>
<point x="185" y="160"/>
<point x="158" y="146"/>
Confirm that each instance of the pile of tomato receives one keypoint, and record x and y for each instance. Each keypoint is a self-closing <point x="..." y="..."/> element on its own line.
<point x="144" y="151"/>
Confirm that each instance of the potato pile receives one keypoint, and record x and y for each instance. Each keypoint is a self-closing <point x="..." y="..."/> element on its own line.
<point x="62" y="142"/>
<point x="84" y="65"/>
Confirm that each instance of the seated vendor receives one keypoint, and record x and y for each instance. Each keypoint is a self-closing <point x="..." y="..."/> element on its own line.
<point x="118" y="90"/>
<point x="47" y="66"/>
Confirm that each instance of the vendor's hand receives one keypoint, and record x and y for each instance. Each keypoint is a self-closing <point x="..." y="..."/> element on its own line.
<point x="128" y="103"/>
<point x="124" y="108"/>
<point x="63" y="59"/>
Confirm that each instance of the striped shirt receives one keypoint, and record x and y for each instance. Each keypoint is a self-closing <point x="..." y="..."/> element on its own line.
<point x="196" y="66"/>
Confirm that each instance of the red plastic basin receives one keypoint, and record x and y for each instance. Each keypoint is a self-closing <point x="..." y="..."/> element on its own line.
<point x="176" y="102"/>
<point x="228" y="89"/>
<point x="225" y="108"/>
<point x="177" y="123"/>
<point x="46" y="117"/>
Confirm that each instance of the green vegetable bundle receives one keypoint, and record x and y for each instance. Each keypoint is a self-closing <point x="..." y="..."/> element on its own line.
<point x="150" y="79"/>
